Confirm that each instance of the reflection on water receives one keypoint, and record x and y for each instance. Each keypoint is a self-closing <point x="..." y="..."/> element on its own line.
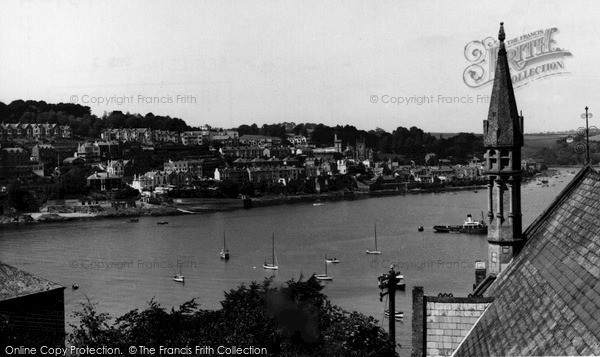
<point x="123" y="265"/>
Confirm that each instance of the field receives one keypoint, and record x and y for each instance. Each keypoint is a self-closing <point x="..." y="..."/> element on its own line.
<point x="542" y="140"/>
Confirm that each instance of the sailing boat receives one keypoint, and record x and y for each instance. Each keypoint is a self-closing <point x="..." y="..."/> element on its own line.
<point x="369" y="251"/>
<point x="324" y="276"/>
<point x="178" y="277"/>
<point x="224" y="251"/>
<point x="273" y="265"/>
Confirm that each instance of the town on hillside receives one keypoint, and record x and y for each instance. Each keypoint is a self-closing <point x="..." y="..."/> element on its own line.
<point x="52" y="168"/>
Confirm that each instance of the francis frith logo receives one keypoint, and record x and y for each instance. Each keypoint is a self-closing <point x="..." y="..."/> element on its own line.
<point x="531" y="56"/>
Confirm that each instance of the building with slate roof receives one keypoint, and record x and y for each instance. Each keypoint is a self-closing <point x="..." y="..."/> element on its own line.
<point x="32" y="309"/>
<point x="541" y="293"/>
<point x="547" y="302"/>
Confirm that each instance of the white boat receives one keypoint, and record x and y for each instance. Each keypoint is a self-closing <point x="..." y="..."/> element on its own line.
<point x="224" y="251"/>
<point x="324" y="276"/>
<point x="369" y="251"/>
<point x="273" y="265"/>
<point x="179" y="277"/>
<point x="332" y="260"/>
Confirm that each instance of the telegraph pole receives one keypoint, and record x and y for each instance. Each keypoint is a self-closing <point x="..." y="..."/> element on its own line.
<point x="389" y="281"/>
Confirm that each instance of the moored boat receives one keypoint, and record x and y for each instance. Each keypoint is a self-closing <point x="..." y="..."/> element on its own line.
<point x="324" y="276"/>
<point x="332" y="260"/>
<point x="224" y="252"/>
<point x="273" y="265"/>
<point x="375" y="251"/>
<point x="470" y="226"/>
<point x="179" y="277"/>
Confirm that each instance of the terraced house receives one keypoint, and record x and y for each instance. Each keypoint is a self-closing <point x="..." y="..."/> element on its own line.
<point x="34" y="131"/>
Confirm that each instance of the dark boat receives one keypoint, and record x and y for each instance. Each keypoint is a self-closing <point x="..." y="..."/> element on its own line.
<point x="421" y="229"/>
<point x="161" y="223"/>
<point x="446" y="229"/>
<point x="470" y="226"/>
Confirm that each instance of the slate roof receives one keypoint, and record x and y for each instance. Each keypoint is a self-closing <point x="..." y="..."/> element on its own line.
<point x="547" y="302"/>
<point x="15" y="283"/>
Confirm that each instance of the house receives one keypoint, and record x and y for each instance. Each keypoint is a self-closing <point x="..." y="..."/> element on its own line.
<point x="15" y="162"/>
<point x="117" y="168"/>
<point x="260" y="140"/>
<point x="142" y="182"/>
<point x="90" y="152"/>
<point x="32" y="310"/>
<point x="194" y="137"/>
<point x="34" y="131"/>
<point x="268" y="174"/>
<point x="104" y="181"/>
<point x="43" y="153"/>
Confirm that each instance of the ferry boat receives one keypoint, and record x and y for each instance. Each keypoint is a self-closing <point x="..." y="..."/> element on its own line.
<point x="470" y="226"/>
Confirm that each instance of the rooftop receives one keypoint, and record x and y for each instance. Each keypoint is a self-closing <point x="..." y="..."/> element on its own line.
<point x="547" y="302"/>
<point x="15" y="283"/>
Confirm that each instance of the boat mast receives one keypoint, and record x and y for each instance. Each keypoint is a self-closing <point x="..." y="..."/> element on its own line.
<point x="375" y="228"/>
<point x="224" y="245"/>
<point x="273" y="245"/>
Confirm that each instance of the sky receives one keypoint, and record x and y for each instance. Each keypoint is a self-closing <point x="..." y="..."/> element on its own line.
<point x="227" y="63"/>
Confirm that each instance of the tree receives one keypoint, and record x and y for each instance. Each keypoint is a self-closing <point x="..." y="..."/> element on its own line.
<point x="21" y="200"/>
<point x="296" y="319"/>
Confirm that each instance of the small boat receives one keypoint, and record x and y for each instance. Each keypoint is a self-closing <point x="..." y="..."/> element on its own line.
<point x="421" y="229"/>
<point x="324" y="276"/>
<point x="273" y="265"/>
<point x="369" y="251"/>
<point x="133" y="220"/>
<point x="224" y="252"/>
<point x="75" y="287"/>
<point x="397" y="315"/>
<point x="161" y="223"/>
<point x="332" y="260"/>
<point x="179" y="277"/>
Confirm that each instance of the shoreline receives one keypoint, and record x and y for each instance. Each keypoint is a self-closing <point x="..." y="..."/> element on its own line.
<point x="182" y="206"/>
<point x="202" y="206"/>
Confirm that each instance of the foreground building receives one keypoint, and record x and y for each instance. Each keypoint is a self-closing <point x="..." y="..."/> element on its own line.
<point x="32" y="310"/>
<point x="539" y="294"/>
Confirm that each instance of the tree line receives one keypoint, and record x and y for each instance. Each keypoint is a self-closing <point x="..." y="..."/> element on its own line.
<point x="405" y="143"/>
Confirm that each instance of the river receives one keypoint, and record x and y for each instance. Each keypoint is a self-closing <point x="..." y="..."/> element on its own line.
<point x="123" y="265"/>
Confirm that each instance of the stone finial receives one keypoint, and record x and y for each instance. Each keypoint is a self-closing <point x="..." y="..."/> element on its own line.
<point x="501" y="35"/>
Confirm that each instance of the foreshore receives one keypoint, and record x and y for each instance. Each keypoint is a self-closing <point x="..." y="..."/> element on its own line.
<point x="208" y="205"/>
